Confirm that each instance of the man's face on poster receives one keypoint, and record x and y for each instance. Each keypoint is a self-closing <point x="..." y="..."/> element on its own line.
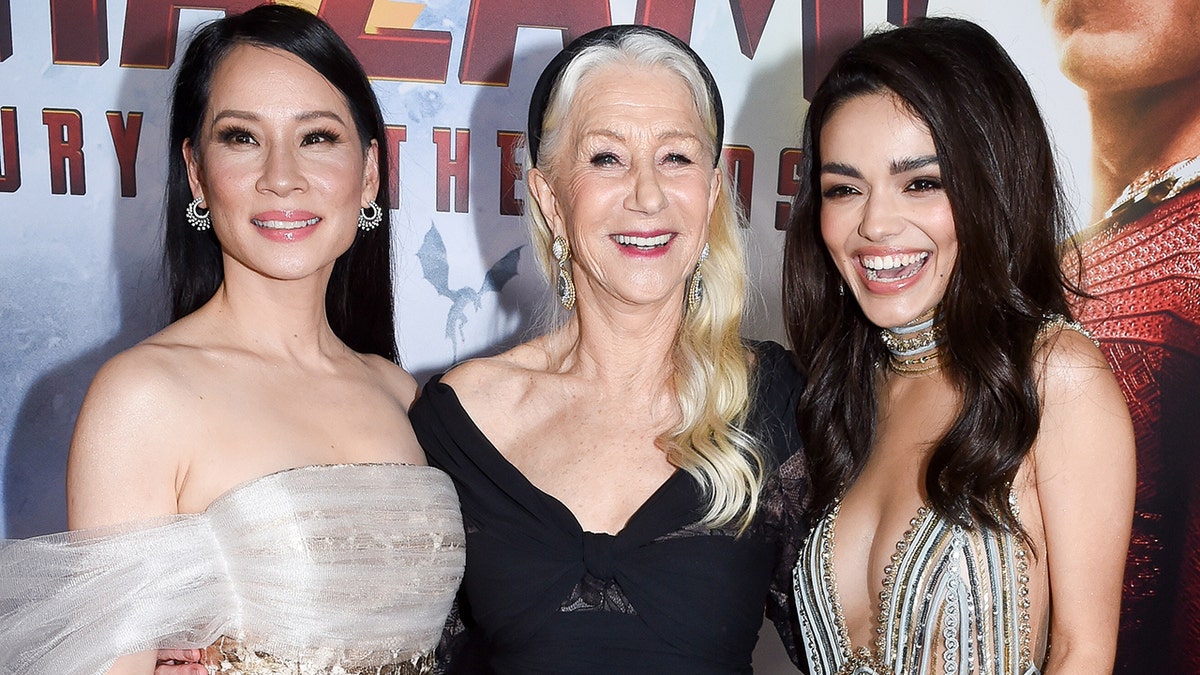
<point x="1122" y="45"/>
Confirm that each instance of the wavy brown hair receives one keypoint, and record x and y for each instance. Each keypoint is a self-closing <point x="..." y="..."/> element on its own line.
<point x="998" y="169"/>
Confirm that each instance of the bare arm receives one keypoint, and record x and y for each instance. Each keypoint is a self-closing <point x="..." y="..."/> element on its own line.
<point x="122" y="465"/>
<point x="1085" y="472"/>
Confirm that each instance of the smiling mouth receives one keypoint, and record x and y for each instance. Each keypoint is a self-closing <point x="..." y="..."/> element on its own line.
<point x="285" y="224"/>
<point x="893" y="268"/>
<point x="643" y="243"/>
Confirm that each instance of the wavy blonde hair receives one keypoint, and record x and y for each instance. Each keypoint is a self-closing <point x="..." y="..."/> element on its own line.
<point x="711" y="369"/>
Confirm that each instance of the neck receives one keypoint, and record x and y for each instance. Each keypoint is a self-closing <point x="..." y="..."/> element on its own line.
<point x="279" y="318"/>
<point x="621" y="348"/>
<point x="916" y="347"/>
<point x="1137" y="131"/>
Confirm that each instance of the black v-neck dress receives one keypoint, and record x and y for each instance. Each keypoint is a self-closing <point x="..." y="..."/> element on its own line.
<point x="664" y="595"/>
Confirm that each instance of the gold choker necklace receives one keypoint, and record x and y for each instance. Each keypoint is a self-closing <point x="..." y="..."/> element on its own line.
<point x="917" y="347"/>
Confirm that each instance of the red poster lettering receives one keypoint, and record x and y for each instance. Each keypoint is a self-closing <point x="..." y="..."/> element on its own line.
<point x="64" y="129"/>
<point x="152" y="28"/>
<point x="396" y="134"/>
<point x="673" y="16"/>
<point x="788" y="185"/>
<point x="510" y="173"/>
<point x="750" y="18"/>
<point x="453" y="161"/>
<point x="491" y="32"/>
<point x="829" y="27"/>
<point x="10" y="157"/>
<point x="739" y="169"/>
<point x="125" y="136"/>
<point x="900" y="12"/>
<point x="391" y="53"/>
<point x="79" y="31"/>
<point x="5" y="29"/>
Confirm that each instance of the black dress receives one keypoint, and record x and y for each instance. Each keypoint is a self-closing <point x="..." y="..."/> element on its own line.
<point x="664" y="595"/>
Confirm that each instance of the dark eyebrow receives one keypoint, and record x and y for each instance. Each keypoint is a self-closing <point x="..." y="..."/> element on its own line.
<point x="913" y="163"/>
<point x="840" y="169"/>
<point x="252" y="116"/>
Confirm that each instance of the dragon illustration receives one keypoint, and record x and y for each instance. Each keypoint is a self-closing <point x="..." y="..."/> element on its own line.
<point x="436" y="269"/>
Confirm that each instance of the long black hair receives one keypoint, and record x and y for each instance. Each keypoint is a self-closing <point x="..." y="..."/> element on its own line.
<point x="998" y="169"/>
<point x="358" y="300"/>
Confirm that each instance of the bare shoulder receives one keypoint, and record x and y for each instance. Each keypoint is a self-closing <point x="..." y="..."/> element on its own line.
<point x="395" y="379"/>
<point x="496" y="381"/>
<point x="1084" y="415"/>
<point x="131" y="431"/>
<point x="1070" y="363"/>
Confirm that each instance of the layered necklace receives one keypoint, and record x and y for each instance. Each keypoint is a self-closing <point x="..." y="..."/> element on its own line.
<point x="916" y="348"/>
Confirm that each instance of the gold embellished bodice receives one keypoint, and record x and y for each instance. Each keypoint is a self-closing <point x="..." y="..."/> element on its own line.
<point x="954" y="601"/>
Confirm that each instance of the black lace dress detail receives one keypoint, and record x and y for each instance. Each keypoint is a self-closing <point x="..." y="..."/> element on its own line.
<point x="663" y="595"/>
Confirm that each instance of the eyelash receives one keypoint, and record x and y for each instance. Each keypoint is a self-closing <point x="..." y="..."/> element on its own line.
<point x="328" y="135"/>
<point x="241" y="136"/>
<point x="838" y="191"/>
<point x="231" y="134"/>
<point x="926" y="184"/>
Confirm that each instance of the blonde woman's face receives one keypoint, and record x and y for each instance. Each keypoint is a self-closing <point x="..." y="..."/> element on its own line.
<point x="633" y="186"/>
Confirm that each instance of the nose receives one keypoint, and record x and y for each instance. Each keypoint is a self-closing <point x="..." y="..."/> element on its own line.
<point x="646" y="194"/>
<point x="880" y="217"/>
<point x="281" y="172"/>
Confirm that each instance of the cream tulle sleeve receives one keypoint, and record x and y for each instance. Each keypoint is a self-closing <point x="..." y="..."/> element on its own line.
<point x="349" y="566"/>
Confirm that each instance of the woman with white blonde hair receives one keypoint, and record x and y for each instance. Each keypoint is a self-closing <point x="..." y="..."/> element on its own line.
<point x="622" y="475"/>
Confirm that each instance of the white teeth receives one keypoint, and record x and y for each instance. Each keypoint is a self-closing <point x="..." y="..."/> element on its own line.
<point x="642" y="242"/>
<point x="285" y="224"/>
<point x="888" y="262"/>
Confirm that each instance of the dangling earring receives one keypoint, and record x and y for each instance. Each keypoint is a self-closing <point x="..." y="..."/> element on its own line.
<point x="566" y="285"/>
<point x="366" y="223"/>
<point x="198" y="216"/>
<point x="695" y="292"/>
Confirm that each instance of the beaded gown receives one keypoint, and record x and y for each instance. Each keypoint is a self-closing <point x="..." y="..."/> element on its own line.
<point x="335" y="569"/>
<point x="953" y="601"/>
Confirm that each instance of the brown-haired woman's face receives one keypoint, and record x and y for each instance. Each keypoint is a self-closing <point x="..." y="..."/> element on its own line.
<point x="885" y="216"/>
<point x="280" y="165"/>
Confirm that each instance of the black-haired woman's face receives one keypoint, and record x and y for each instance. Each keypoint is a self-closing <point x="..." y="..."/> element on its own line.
<point x="280" y="166"/>
<point x="885" y="216"/>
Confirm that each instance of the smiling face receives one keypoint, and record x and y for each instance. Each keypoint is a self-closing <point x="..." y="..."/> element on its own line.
<point x="632" y="187"/>
<point x="885" y="216"/>
<point x="280" y="165"/>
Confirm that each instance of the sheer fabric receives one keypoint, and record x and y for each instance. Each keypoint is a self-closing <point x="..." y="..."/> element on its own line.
<point x="346" y="566"/>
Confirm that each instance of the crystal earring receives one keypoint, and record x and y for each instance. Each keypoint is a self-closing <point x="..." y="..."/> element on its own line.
<point x="695" y="291"/>
<point x="366" y="222"/>
<point x="566" y="285"/>
<point x="198" y="216"/>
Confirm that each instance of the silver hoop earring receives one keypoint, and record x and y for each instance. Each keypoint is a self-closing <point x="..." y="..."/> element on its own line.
<point x="198" y="216"/>
<point x="566" y="285"/>
<point x="368" y="222"/>
<point x="695" y="292"/>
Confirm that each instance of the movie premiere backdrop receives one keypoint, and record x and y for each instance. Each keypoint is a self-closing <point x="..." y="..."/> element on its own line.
<point x="84" y="92"/>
